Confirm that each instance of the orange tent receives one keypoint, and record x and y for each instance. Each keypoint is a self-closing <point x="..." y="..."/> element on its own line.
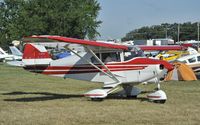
<point x="181" y="72"/>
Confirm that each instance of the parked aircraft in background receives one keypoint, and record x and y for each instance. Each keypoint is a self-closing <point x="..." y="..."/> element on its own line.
<point x="16" y="55"/>
<point x="112" y="64"/>
<point x="191" y="60"/>
<point x="4" y="55"/>
<point x="17" y="61"/>
<point x="173" y="54"/>
<point x="13" y="59"/>
<point x="16" y="52"/>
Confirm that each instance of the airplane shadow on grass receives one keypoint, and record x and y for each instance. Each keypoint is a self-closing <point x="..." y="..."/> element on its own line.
<point x="45" y="96"/>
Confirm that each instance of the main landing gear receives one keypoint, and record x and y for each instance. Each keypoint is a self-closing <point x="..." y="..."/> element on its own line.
<point x="96" y="94"/>
<point x="131" y="91"/>
<point x="159" y="96"/>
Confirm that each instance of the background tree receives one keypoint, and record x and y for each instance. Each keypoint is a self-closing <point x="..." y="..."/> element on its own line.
<point x="71" y="18"/>
<point x="188" y="31"/>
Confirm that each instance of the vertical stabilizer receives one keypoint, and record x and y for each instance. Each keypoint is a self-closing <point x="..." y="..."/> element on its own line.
<point x="36" y="55"/>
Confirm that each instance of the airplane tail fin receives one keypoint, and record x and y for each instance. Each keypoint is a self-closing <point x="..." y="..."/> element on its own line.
<point x="36" y="55"/>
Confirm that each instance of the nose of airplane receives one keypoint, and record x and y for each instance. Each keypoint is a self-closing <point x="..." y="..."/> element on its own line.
<point x="166" y="65"/>
<point x="163" y="64"/>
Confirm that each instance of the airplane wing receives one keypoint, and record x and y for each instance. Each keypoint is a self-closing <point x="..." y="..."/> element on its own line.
<point x="47" y="38"/>
<point x="165" y="47"/>
<point x="93" y="44"/>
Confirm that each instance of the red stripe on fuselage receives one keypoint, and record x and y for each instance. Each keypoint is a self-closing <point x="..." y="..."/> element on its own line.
<point x="134" y="64"/>
<point x="88" y="95"/>
<point x="89" y="71"/>
<point x="79" y="69"/>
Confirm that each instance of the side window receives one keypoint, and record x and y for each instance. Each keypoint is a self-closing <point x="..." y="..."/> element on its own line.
<point x="134" y="52"/>
<point x="93" y="59"/>
<point x="127" y="56"/>
<point x="131" y="54"/>
<point x="192" y="60"/>
<point x="198" y="58"/>
<point x="111" y="57"/>
<point x="107" y="57"/>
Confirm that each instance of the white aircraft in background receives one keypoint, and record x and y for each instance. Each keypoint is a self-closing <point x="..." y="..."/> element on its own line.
<point x="14" y="59"/>
<point x="108" y="63"/>
<point x="192" y="61"/>
<point x="16" y="54"/>
<point x="5" y="56"/>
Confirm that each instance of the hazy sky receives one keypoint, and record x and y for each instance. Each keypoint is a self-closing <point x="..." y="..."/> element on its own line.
<point x="121" y="16"/>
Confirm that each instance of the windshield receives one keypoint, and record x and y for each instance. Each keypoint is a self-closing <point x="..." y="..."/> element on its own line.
<point x="133" y="52"/>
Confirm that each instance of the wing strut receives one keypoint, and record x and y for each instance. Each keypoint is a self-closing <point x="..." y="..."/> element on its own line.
<point x="110" y="73"/>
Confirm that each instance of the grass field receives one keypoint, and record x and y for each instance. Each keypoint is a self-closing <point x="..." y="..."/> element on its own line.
<point x="30" y="99"/>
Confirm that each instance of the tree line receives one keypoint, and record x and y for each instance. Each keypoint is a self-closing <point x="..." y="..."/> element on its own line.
<point x="70" y="18"/>
<point x="187" y="31"/>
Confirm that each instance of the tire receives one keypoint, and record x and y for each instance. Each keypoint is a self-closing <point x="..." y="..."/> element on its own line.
<point x="131" y="96"/>
<point x="160" y="101"/>
<point x="97" y="99"/>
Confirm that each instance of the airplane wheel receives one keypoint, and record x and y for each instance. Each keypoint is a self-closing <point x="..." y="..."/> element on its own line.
<point x="160" y="101"/>
<point x="131" y="96"/>
<point x="97" y="99"/>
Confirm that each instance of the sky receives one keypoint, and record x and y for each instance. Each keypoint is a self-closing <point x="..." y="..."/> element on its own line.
<point x="122" y="16"/>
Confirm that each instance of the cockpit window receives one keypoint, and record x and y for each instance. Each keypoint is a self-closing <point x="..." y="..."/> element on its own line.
<point x="192" y="60"/>
<point x="111" y="57"/>
<point x="133" y="52"/>
<point x="93" y="59"/>
<point x="198" y="58"/>
<point x="107" y="57"/>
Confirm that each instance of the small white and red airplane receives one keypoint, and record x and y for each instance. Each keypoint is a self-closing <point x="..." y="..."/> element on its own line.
<point x="113" y="65"/>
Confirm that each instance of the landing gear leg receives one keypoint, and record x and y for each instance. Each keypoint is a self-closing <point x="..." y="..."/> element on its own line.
<point x="131" y="91"/>
<point x="159" y="96"/>
<point x="158" y="84"/>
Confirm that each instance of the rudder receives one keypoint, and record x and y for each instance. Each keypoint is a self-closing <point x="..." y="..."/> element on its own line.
<point x="36" y="55"/>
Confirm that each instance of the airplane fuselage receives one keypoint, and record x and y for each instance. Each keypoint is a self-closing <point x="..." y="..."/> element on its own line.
<point x="130" y="71"/>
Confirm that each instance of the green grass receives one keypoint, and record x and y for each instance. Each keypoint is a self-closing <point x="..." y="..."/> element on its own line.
<point x="27" y="98"/>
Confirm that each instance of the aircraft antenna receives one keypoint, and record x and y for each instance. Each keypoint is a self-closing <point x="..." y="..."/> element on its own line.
<point x="178" y="33"/>
<point x="198" y="33"/>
